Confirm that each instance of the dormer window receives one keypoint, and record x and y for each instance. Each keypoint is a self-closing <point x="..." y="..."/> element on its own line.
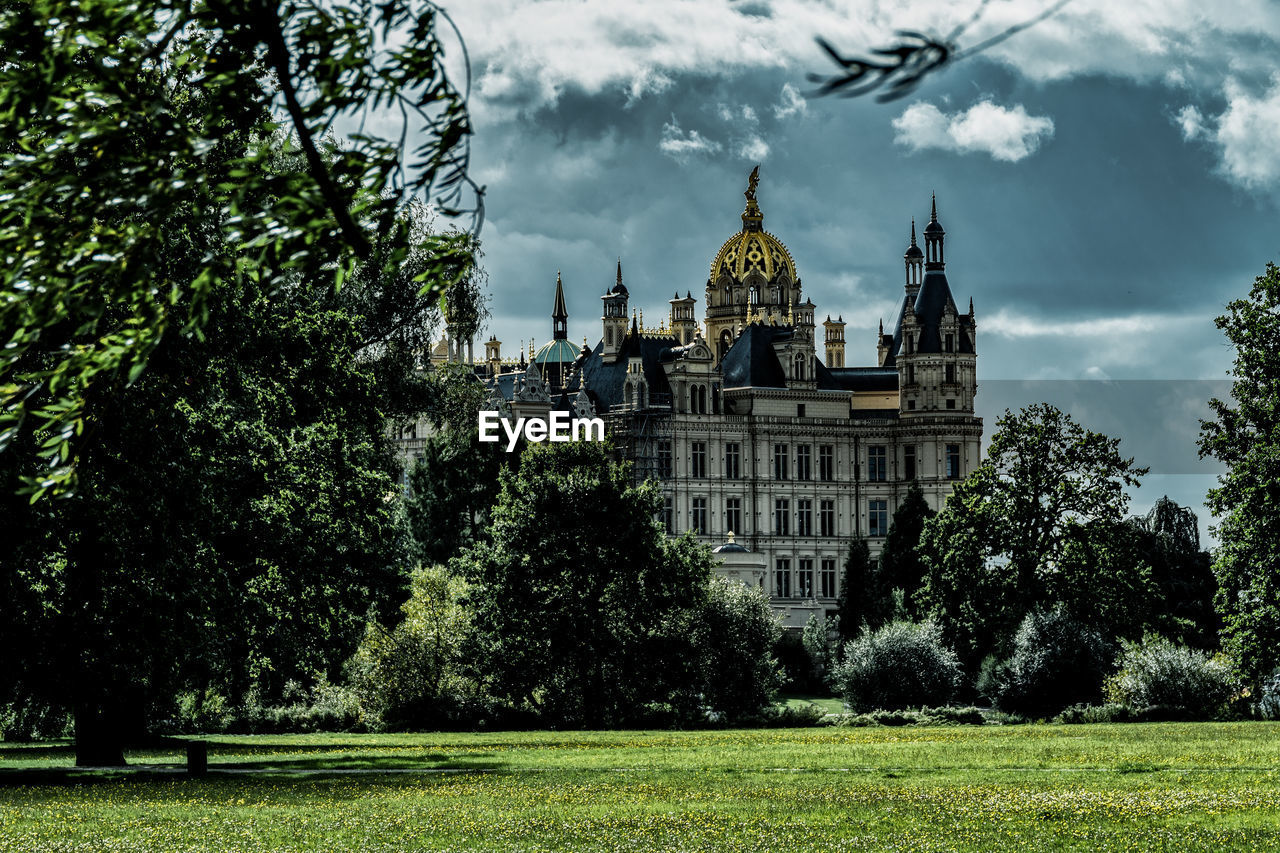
<point x="950" y="343"/>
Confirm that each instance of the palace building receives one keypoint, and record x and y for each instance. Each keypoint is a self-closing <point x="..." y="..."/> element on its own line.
<point x="760" y="434"/>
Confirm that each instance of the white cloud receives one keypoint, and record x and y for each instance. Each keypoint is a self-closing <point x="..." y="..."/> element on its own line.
<point x="1009" y="324"/>
<point x="1191" y="122"/>
<point x="536" y="50"/>
<point x="681" y="146"/>
<point x="791" y="102"/>
<point x="1244" y="134"/>
<point x="753" y="148"/>
<point x="1008" y="134"/>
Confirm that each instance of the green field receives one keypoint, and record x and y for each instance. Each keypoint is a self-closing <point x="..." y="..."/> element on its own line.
<point x="1207" y="786"/>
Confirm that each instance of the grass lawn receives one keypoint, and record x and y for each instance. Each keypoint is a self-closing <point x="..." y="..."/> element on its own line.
<point x="1206" y="786"/>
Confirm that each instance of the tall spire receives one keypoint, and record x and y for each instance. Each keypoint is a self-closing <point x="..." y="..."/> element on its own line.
<point x="559" y="313"/>
<point x="619" y="269"/>
<point x="933" y="234"/>
<point x="913" y="230"/>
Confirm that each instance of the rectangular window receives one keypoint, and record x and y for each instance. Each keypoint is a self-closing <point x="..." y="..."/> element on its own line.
<point x="951" y="404"/>
<point x="782" y="578"/>
<point x="733" y="515"/>
<point x="826" y="463"/>
<point x="950" y="373"/>
<point x="876" y="466"/>
<point x="804" y="517"/>
<point x="780" y="461"/>
<point x="799" y="410"/>
<point x="782" y="517"/>
<point x="911" y="374"/>
<point x="878" y="518"/>
<point x="950" y="344"/>
<point x="827" y="517"/>
<point x="953" y="462"/>
<point x="828" y="579"/>
<point x="699" y="519"/>
<point x="804" y="462"/>
<point x="669" y="514"/>
<point x="732" y="461"/>
<point x="664" y="460"/>
<point x="698" y="460"/>
<point x="909" y="462"/>
<point x="804" y="579"/>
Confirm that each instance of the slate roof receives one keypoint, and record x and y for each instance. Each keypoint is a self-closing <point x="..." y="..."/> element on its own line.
<point x="751" y="361"/>
<point x="931" y="302"/>
<point x="605" y="381"/>
<point x="865" y="378"/>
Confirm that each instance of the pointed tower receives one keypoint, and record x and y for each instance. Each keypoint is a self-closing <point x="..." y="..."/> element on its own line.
<point x="934" y="345"/>
<point x="933" y="235"/>
<point x="614" y="318"/>
<point x="559" y="313"/>
<point x="914" y="260"/>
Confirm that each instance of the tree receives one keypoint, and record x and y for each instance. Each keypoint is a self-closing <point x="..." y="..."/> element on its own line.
<point x="999" y="547"/>
<point x="900" y="565"/>
<point x="572" y="589"/>
<point x="453" y="485"/>
<point x="124" y="120"/>
<point x="718" y="656"/>
<point x="862" y="601"/>
<point x="233" y="526"/>
<point x="410" y="674"/>
<point x="1244" y="436"/>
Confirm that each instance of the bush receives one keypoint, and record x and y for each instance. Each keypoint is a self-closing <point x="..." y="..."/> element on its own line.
<point x="733" y="637"/>
<point x="408" y="677"/>
<point x="1057" y="661"/>
<point x="1109" y="713"/>
<point x="901" y="665"/>
<point x="795" y="664"/>
<point x="1156" y="673"/>
<point x="29" y="720"/>
<point x="1268" y="706"/>
<point x="816" y="638"/>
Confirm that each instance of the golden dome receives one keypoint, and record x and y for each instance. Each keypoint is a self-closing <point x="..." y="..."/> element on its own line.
<point x="753" y="248"/>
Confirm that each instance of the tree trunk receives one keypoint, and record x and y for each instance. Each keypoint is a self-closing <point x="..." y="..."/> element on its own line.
<point x="99" y="741"/>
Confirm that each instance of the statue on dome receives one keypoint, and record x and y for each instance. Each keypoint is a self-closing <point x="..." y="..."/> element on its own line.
<point x="752" y="183"/>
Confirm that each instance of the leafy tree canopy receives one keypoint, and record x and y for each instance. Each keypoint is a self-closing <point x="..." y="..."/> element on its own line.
<point x="573" y="589"/>
<point x="1008" y="535"/>
<point x="1244" y="434"/>
<point x="125" y="124"/>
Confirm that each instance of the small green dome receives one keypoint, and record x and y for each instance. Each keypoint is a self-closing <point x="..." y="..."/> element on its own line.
<point x="558" y="351"/>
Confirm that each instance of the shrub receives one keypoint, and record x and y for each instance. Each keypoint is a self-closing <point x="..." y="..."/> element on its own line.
<point x="1057" y="661"/>
<point x="901" y="665"/>
<point x="733" y="636"/>
<point x="794" y="662"/>
<point x="30" y="719"/>
<point x="1178" y="680"/>
<point x="1109" y="713"/>
<point x="408" y="677"/>
<point x="1268" y="706"/>
<point x="817" y="643"/>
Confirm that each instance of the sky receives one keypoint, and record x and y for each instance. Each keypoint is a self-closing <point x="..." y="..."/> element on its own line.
<point x="1107" y="179"/>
